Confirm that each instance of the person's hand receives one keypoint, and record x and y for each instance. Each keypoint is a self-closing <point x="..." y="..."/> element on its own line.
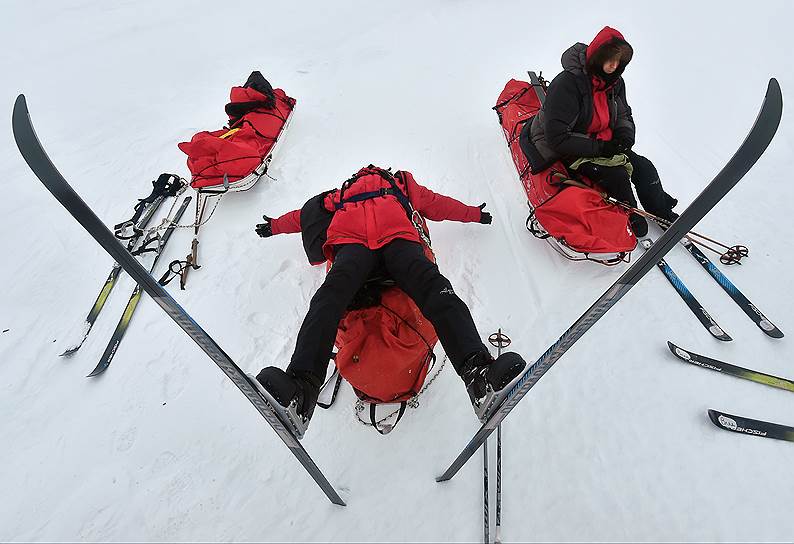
<point x="626" y="143"/>
<point x="265" y="229"/>
<point x="625" y="135"/>
<point x="613" y="147"/>
<point x="485" y="217"/>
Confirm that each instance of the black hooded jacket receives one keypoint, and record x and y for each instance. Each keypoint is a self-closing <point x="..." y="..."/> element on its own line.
<point x="559" y="130"/>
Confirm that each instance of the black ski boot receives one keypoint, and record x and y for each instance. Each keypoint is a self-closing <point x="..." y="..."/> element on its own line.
<point x="292" y="395"/>
<point x="487" y="379"/>
<point x="639" y="226"/>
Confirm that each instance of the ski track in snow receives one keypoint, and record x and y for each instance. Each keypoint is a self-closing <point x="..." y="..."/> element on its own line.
<point x="614" y="443"/>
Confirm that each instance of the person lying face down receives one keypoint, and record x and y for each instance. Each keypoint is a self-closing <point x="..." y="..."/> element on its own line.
<point x="376" y="220"/>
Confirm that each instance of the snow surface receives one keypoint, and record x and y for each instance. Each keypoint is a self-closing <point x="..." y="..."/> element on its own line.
<point x="612" y="445"/>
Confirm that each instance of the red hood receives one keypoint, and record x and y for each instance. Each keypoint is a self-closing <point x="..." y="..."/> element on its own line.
<point x="246" y="94"/>
<point x="606" y="34"/>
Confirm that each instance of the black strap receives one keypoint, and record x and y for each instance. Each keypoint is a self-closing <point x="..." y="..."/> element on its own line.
<point x="145" y="247"/>
<point x="165" y="185"/>
<point x="170" y="274"/>
<point x="403" y="405"/>
<point x="394" y="190"/>
<point x="336" y="389"/>
<point x="368" y="195"/>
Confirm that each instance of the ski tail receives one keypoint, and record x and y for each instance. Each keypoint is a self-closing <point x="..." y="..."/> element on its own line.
<point x="38" y="161"/>
<point x="132" y="304"/>
<point x="753" y="427"/>
<point x="761" y="321"/>
<point x="754" y="145"/>
<point x="686" y="295"/>
<point x="110" y="282"/>
<point x="727" y="368"/>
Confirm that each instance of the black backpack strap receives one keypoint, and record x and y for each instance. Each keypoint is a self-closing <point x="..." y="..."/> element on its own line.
<point x="393" y="190"/>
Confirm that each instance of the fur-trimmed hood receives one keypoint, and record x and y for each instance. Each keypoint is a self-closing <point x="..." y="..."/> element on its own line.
<point x="589" y="59"/>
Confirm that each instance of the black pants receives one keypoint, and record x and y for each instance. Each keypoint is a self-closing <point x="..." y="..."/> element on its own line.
<point x="616" y="182"/>
<point x="414" y="273"/>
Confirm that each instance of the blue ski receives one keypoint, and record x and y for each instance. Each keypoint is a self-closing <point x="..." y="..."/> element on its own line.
<point x="738" y="297"/>
<point x="697" y="308"/>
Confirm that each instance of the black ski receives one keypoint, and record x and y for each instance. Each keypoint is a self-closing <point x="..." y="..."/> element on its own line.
<point x="126" y="316"/>
<point x="747" y="307"/>
<point x="110" y="282"/>
<point x="697" y="308"/>
<point x="727" y="368"/>
<point x="45" y="170"/>
<point x="754" y="427"/>
<point x="749" y="152"/>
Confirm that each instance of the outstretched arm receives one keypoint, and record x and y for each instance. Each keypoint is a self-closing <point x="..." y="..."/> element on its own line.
<point x="288" y="223"/>
<point x="438" y="207"/>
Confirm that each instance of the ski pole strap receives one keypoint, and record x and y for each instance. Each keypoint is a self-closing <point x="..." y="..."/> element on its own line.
<point x="165" y="185"/>
<point x="177" y="268"/>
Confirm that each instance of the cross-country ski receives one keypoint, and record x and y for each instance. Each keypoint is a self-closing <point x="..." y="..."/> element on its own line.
<point x="345" y="210"/>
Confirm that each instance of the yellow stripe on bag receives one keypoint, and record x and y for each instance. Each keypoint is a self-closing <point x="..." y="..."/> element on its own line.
<point x="228" y="133"/>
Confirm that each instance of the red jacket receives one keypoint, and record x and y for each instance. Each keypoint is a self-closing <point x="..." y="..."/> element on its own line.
<point x="377" y="221"/>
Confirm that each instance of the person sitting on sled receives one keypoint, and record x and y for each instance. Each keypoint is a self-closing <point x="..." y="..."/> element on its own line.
<point x="587" y="122"/>
<point x="367" y="225"/>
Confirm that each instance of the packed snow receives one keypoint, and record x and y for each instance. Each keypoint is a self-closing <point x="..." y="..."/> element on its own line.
<point x="613" y="444"/>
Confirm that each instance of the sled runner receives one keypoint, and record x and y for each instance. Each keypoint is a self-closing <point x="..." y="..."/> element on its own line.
<point x="566" y="212"/>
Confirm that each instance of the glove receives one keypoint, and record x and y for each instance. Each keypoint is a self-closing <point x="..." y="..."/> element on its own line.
<point x="624" y="135"/>
<point x="613" y="147"/>
<point x="265" y="229"/>
<point x="485" y="217"/>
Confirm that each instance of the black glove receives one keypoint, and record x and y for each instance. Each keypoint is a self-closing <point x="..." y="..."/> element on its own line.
<point x="265" y="229"/>
<point x="624" y="135"/>
<point x="613" y="147"/>
<point x="485" y="217"/>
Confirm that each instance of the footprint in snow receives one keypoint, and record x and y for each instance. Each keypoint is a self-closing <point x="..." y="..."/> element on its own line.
<point x="127" y="439"/>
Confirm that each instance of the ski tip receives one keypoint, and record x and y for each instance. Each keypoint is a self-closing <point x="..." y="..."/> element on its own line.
<point x="20" y="104"/>
<point x="20" y="110"/>
<point x="773" y="89"/>
<point x="773" y="104"/>
<point x="672" y="347"/>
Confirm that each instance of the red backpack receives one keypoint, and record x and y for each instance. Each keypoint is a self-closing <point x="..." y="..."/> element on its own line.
<point x="385" y="349"/>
